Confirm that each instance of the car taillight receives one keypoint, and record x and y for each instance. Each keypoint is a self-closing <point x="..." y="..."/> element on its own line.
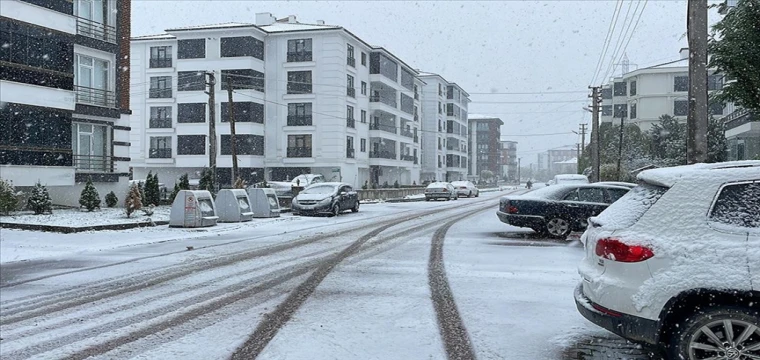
<point x="613" y="249"/>
<point x="512" y="209"/>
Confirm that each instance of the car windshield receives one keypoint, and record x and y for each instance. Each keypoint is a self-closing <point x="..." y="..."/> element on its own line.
<point x="319" y="189"/>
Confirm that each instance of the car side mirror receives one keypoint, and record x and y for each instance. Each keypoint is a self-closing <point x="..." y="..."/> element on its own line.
<point x="343" y="193"/>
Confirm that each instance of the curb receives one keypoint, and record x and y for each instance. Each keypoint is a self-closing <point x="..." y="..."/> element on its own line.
<point x="73" y="229"/>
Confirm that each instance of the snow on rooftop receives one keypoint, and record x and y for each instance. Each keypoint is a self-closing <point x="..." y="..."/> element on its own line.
<point x="213" y="26"/>
<point x="154" y="37"/>
<point x="282" y="27"/>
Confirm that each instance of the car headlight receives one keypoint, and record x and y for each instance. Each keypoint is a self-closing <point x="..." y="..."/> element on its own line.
<point x="295" y="200"/>
<point x="326" y="201"/>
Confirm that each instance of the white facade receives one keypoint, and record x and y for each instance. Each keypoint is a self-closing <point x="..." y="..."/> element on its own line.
<point x="313" y="120"/>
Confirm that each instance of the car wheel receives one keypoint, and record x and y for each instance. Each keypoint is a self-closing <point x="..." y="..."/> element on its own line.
<point x="335" y="210"/>
<point x="558" y="228"/>
<point x="477" y="194"/>
<point x="469" y="195"/>
<point x="717" y="333"/>
<point x="356" y="207"/>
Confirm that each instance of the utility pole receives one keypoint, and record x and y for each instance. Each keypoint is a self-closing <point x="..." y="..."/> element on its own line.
<point x="620" y="149"/>
<point x="233" y="145"/>
<point x="519" y="179"/>
<point x="578" y="158"/>
<point x="696" y="24"/>
<point x="595" y="100"/>
<point x="211" y="83"/>
<point x="581" y="146"/>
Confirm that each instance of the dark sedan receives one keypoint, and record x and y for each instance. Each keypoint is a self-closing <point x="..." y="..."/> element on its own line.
<point x="558" y="210"/>
<point x="326" y="198"/>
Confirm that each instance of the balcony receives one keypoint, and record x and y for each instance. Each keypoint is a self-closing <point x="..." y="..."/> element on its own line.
<point x="295" y="87"/>
<point x="416" y="160"/>
<point x="96" y="30"/>
<point x="351" y="92"/>
<point x="160" y="93"/>
<point x="387" y="100"/>
<point x="93" y="163"/>
<point x="407" y="158"/>
<point x="160" y="63"/>
<point x="299" y="120"/>
<point x="97" y="97"/>
<point x="350" y="153"/>
<point x="351" y="123"/>
<point x="382" y="154"/>
<point x="160" y="153"/>
<point x="738" y="118"/>
<point x="351" y="62"/>
<point x="302" y="56"/>
<point x="416" y="118"/>
<point x="299" y="152"/>
<point x="407" y="133"/>
<point x="160" y="123"/>
<point x="383" y="127"/>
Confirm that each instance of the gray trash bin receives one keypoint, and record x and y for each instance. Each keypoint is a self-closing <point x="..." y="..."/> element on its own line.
<point x="233" y="205"/>
<point x="193" y="208"/>
<point x="264" y="202"/>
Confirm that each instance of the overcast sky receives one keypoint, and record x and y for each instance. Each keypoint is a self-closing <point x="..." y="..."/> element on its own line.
<point x="487" y="47"/>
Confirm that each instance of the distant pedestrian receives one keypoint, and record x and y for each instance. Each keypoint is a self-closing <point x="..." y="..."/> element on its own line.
<point x="529" y="184"/>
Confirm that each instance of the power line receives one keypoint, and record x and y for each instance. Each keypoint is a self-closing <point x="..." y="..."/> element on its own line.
<point x="528" y="93"/>
<point x="607" y="39"/>
<point x="619" y="40"/>
<point x="530" y="102"/>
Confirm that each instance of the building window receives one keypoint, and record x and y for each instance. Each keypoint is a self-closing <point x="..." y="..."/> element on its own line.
<point x="33" y="46"/>
<point x="606" y="110"/>
<point x="245" y="144"/>
<point x="191" y="113"/>
<point x="350" y="86"/>
<point x="407" y="104"/>
<point x="364" y="116"/>
<point x="160" y="117"/>
<point x="350" y="147"/>
<point x="621" y="110"/>
<point x="191" y="81"/>
<point x="299" y="82"/>
<point x="632" y="86"/>
<point x="95" y="19"/>
<point x="299" y="114"/>
<point x="350" y="120"/>
<point x="383" y="65"/>
<point x="160" y="147"/>
<point x="440" y="108"/>
<point x="364" y="59"/>
<point x="450" y="92"/>
<point x="89" y="146"/>
<point x="416" y="93"/>
<point x="299" y="146"/>
<point x="364" y="88"/>
<point x="619" y="89"/>
<point x="160" y="57"/>
<point x="717" y="108"/>
<point x="350" y="59"/>
<point x="160" y="87"/>
<point x="245" y="111"/>
<point x="407" y="80"/>
<point x="191" y="144"/>
<point x="299" y="50"/>
<point x="243" y="79"/>
<point x="242" y="46"/>
<point x="363" y="145"/>
<point x="714" y="82"/>
<point x="607" y="93"/>
<point x="92" y="80"/>
<point x="191" y="49"/>
<point x="633" y="111"/>
<point x="680" y="107"/>
<point x="681" y="83"/>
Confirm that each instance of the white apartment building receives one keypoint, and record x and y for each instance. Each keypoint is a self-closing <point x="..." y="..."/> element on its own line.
<point x="445" y="128"/>
<point x="643" y="95"/>
<point x="309" y="98"/>
<point x="63" y="89"/>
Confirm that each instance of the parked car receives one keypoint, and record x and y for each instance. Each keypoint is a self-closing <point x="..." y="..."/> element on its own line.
<point x="558" y="210"/>
<point x="285" y="188"/>
<point x="563" y="179"/>
<point x="325" y="198"/>
<point x="440" y="190"/>
<point x="676" y="262"/>
<point x="619" y="183"/>
<point x="466" y="188"/>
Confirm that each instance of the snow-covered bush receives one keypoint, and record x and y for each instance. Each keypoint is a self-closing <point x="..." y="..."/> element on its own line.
<point x="148" y="210"/>
<point x="152" y="193"/>
<point x="183" y="184"/>
<point x="239" y="184"/>
<point x="133" y="201"/>
<point x="111" y="199"/>
<point x="8" y="200"/>
<point x="39" y="200"/>
<point x="89" y="199"/>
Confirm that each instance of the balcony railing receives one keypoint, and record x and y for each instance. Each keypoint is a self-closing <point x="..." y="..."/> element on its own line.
<point x="92" y="96"/>
<point x="351" y="92"/>
<point x="385" y="100"/>
<point x="299" y="152"/>
<point x="416" y="139"/>
<point x="406" y="133"/>
<point x="160" y="153"/>
<point x="416" y="160"/>
<point x="350" y="153"/>
<point x="160" y="123"/>
<point x="407" y="157"/>
<point x="299" y="120"/>
<point x="351" y="123"/>
<point x="382" y="154"/>
<point x="299" y="87"/>
<point x="299" y="56"/>
<point x="160" y="63"/>
<point x="387" y="128"/>
<point x="96" y="30"/>
<point x="93" y="163"/>
<point x="159" y="93"/>
<point x="739" y="118"/>
<point x="351" y="62"/>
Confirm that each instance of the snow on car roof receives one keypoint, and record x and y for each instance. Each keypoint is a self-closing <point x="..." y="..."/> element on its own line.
<point x="571" y="176"/>
<point x="718" y="172"/>
<point x="438" y="183"/>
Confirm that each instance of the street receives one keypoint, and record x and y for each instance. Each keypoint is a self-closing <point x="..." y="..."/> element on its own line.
<point x="424" y="280"/>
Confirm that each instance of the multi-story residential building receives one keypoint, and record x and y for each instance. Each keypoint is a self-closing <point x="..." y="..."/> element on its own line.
<point x="445" y="129"/>
<point x="508" y="160"/>
<point x="64" y="78"/>
<point x="485" y="145"/>
<point x="643" y="95"/>
<point x="560" y="160"/>
<point x="309" y="98"/>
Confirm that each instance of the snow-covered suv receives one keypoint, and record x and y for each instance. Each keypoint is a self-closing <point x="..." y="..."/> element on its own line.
<point x="676" y="262"/>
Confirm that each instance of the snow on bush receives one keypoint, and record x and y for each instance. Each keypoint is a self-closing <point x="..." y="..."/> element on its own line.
<point x="8" y="200"/>
<point x="133" y="201"/>
<point x="111" y="199"/>
<point x="39" y="200"/>
<point x="89" y="199"/>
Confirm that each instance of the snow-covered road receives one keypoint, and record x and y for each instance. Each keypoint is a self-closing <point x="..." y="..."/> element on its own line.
<point x="360" y="286"/>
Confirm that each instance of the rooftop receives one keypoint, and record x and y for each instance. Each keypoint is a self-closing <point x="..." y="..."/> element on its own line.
<point x="229" y="25"/>
<point x="285" y="27"/>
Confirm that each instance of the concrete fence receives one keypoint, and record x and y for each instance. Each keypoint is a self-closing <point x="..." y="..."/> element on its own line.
<point x="385" y="194"/>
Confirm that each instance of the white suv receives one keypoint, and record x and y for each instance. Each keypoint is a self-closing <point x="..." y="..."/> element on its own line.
<point x="676" y="262"/>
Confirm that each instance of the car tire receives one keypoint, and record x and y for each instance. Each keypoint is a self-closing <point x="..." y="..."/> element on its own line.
<point x="469" y="195"/>
<point x="456" y="197"/>
<point x="335" y="210"/>
<point x="355" y="209"/>
<point x="690" y="331"/>
<point x="558" y="228"/>
<point x="477" y="194"/>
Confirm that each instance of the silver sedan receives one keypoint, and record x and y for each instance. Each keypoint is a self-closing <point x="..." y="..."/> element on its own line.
<point x="466" y="188"/>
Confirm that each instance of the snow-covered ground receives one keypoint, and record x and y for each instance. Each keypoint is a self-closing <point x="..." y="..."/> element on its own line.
<point x="82" y="218"/>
